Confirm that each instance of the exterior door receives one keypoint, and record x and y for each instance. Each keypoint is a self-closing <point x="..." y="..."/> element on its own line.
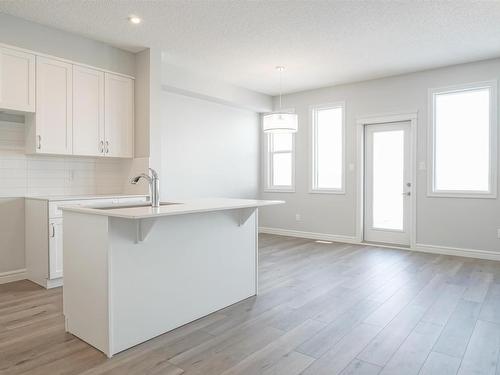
<point x="388" y="185"/>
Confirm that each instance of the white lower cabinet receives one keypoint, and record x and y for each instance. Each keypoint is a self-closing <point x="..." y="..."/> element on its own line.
<point x="55" y="248"/>
<point x="44" y="235"/>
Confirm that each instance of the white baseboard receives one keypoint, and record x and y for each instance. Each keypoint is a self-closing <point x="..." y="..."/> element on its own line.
<point x="433" y="249"/>
<point x="469" y="253"/>
<point x="10" y="276"/>
<point x="55" y="283"/>
<point x="309" y="235"/>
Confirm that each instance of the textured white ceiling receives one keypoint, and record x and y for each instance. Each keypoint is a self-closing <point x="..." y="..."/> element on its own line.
<point x="320" y="42"/>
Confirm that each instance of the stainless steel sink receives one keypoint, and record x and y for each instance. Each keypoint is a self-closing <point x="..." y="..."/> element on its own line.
<point x="119" y="207"/>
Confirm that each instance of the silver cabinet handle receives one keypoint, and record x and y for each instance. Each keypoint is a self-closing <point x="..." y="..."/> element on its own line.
<point x="53" y="230"/>
<point x="101" y="146"/>
<point x="39" y="145"/>
<point x="407" y="194"/>
<point x="107" y="147"/>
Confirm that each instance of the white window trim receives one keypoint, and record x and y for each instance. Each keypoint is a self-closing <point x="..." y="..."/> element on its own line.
<point x="431" y="146"/>
<point x="312" y="137"/>
<point x="268" y="187"/>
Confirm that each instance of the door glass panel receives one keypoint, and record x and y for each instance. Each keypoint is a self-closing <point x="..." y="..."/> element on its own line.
<point x="388" y="179"/>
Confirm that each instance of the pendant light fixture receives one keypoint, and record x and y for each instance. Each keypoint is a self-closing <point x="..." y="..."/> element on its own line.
<point x="279" y="121"/>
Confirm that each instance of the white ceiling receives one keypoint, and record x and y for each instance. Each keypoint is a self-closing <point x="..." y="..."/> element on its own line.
<point x="320" y="42"/>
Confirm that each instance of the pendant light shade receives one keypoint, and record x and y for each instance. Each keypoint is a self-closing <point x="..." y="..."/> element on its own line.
<point x="280" y="122"/>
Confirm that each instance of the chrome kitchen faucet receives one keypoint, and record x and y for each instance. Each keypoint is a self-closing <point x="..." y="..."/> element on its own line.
<point x="154" y="185"/>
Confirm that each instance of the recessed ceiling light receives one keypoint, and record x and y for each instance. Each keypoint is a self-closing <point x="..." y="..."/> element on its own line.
<point x="135" y="20"/>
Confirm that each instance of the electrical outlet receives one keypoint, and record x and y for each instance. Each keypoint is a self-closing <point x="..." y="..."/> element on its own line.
<point x="297" y="217"/>
<point x="421" y="166"/>
<point x="351" y="167"/>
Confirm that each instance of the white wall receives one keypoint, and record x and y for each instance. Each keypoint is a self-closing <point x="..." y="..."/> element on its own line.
<point x="462" y="223"/>
<point x="208" y="149"/>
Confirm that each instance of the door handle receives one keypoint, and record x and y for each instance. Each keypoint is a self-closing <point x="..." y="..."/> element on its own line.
<point x="407" y="193"/>
<point x="53" y="230"/>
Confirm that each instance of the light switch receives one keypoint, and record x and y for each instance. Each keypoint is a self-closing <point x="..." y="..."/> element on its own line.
<point x="421" y="166"/>
<point x="351" y="167"/>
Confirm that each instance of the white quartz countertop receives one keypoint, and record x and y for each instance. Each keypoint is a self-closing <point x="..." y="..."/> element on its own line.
<point x="84" y="197"/>
<point x="179" y="208"/>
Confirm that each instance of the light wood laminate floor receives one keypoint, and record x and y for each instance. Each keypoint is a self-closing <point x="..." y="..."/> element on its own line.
<point x="322" y="309"/>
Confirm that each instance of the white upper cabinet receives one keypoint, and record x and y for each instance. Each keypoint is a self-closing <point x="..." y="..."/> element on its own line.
<point x="17" y="80"/>
<point x="88" y="111"/>
<point x="78" y="110"/>
<point x="52" y="128"/>
<point x="119" y="116"/>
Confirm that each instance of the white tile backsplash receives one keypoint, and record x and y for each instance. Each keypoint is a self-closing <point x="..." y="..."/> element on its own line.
<point x="22" y="175"/>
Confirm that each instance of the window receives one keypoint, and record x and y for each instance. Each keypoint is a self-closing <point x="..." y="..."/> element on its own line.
<point x="328" y="148"/>
<point x="280" y="163"/>
<point x="463" y="141"/>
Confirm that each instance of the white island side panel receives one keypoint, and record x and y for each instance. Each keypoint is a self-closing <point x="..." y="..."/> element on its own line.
<point x="188" y="266"/>
<point x="85" y="292"/>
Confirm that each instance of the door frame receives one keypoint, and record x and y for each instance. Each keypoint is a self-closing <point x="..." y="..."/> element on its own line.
<point x="360" y="167"/>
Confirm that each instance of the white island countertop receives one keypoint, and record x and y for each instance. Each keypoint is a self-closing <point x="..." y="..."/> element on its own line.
<point x="140" y="211"/>
<point x="58" y="198"/>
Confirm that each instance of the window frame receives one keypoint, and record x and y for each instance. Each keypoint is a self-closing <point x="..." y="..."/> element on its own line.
<point x="313" y="188"/>
<point x="268" y="160"/>
<point x="493" y="139"/>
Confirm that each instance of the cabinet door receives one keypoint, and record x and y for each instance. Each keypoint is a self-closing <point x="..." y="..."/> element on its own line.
<point x="17" y="80"/>
<point x="88" y="111"/>
<point x="53" y="119"/>
<point x="55" y="248"/>
<point x="119" y="116"/>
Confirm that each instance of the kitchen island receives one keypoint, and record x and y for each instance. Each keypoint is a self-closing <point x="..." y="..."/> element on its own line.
<point x="135" y="272"/>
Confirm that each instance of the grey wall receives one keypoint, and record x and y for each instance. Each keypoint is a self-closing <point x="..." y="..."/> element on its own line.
<point x="463" y="223"/>
<point x="11" y="234"/>
<point x="179" y="80"/>
<point x="208" y="149"/>
<point x="33" y="36"/>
